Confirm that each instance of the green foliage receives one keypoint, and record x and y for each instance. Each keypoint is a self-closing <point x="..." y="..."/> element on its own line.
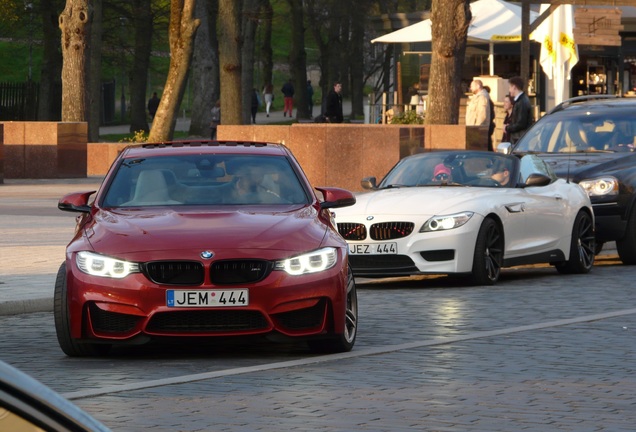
<point x="138" y="137"/>
<point x="408" y="117"/>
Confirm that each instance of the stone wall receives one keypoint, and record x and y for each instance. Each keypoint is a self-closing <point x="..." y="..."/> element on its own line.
<point x="342" y="154"/>
<point x="44" y="149"/>
<point x="330" y="154"/>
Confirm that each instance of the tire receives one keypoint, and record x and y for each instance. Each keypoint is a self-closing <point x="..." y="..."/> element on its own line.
<point x="63" y="323"/>
<point x="626" y="247"/>
<point x="489" y="251"/>
<point x="582" y="246"/>
<point x="342" y="342"/>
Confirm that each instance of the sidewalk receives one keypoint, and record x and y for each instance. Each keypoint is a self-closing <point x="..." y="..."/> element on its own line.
<point x="183" y="123"/>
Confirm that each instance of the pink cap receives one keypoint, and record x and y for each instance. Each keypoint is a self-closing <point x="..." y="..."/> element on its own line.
<point x="441" y="169"/>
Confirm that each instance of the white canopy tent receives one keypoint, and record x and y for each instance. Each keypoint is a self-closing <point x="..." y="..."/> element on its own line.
<point x="493" y="21"/>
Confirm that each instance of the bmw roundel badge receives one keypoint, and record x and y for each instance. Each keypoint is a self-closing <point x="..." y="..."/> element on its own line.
<point x="207" y="254"/>
<point x="369" y="217"/>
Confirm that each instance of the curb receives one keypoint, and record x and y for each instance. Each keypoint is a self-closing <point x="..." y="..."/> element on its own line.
<point x="17" y="307"/>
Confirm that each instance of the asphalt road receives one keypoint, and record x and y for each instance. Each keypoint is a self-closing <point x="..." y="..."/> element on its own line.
<point x="539" y="351"/>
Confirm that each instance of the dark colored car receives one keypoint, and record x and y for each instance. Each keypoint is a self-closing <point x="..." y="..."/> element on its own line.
<point x="590" y="140"/>
<point x="203" y="240"/>
<point x="26" y="405"/>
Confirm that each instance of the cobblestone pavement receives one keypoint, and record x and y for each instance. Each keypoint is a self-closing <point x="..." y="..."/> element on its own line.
<point x="539" y="351"/>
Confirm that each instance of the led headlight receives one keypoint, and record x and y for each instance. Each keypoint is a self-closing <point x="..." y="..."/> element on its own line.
<point x="103" y="266"/>
<point x="311" y="262"/>
<point x="602" y="186"/>
<point x="446" y="222"/>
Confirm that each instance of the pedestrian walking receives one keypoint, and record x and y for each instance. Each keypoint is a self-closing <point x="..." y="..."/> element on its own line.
<point x="333" y="110"/>
<point x="288" y="94"/>
<point x="268" y="95"/>
<point x="153" y="105"/>
<point x="256" y="101"/>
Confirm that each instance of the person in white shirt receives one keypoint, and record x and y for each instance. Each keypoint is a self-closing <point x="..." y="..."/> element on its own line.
<point x="478" y="110"/>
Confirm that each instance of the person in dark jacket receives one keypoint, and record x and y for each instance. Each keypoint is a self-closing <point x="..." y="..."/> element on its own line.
<point x="255" y="103"/>
<point x="521" y="118"/>
<point x="333" y="109"/>
<point x="288" y="97"/>
<point x="153" y="105"/>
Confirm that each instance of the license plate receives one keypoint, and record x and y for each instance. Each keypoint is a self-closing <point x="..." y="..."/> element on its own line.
<point x="373" y="249"/>
<point x="207" y="298"/>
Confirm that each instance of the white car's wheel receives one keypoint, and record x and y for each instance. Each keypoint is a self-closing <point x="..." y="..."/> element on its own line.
<point x="582" y="247"/>
<point x="489" y="251"/>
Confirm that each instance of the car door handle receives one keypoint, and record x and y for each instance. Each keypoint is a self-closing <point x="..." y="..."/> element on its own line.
<point x="558" y="197"/>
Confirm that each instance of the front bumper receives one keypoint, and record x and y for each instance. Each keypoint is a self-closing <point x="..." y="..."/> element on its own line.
<point x="441" y="252"/>
<point x="134" y="308"/>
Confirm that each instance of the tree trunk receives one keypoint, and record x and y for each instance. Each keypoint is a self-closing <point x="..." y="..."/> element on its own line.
<point x="356" y="60"/>
<point x="74" y="23"/>
<point x="205" y="69"/>
<point x="266" y="47"/>
<point x="450" y="20"/>
<point x="142" y="18"/>
<point x="181" y="34"/>
<point x="95" y="76"/>
<point x="50" y="102"/>
<point x="298" y="59"/>
<point x="230" y="61"/>
<point x="315" y="23"/>
<point x="250" y="23"/>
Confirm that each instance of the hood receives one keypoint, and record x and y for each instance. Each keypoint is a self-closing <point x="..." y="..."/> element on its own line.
<point x="581" y="166"/>
<point x="120" y="231"/>
<point x="415" y="200"/>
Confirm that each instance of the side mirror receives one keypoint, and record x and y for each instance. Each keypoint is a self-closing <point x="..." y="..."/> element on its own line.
<point x="536" y="179"/>
<point x="75" y="202"/>
<point x="336" y="197"/>
<point x="368" y="183"/>
<point x="504" y="148"/>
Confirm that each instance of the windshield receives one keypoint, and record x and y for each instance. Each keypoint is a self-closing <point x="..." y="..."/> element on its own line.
<point x="204" y="180"/>
<point x="581" y="131"/>
<point x="485" y="169"/>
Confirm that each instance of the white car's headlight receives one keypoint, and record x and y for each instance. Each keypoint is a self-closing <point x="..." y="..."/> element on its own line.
<point x="103" y="266"/>
<point x="446" y="222"/>
<point x="600" y="186"/>
<point x="311" y="262"/>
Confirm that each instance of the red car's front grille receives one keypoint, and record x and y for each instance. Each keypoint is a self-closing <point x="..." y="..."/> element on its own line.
<point x="304" y="318"/>
<point x="391" y="230"/>
<point x="208" y="321"/>
<point x="174" y="272"/>
<point x="352" y="231"/>
<point x="239" y="271"/>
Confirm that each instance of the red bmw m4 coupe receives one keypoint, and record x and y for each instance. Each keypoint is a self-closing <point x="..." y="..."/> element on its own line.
<point x="205" y="240"/>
